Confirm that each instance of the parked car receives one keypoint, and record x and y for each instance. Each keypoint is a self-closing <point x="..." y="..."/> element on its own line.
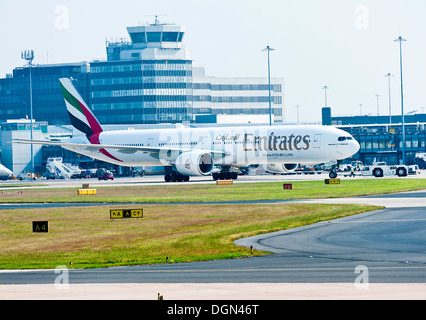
<point x="105" y="175"/>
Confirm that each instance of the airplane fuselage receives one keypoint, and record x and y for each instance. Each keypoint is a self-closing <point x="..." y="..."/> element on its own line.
<point x="242" y="145"/>
<point x="196" y="151"/>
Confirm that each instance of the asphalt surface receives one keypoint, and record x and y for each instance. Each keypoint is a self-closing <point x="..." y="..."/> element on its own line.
<point x="382" y="247"/>
<point x="389" y="242"/>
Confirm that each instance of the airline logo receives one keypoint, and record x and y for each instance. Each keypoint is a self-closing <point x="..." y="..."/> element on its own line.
<point x="275" y="143"/>
<point x="80" y="115"/>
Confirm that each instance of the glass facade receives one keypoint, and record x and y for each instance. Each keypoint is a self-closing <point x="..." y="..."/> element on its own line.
<point x="384" y="142"/>
<point x="148" y="79"/>
<point x="48" y="102"/>
<point x="142" y="91"/>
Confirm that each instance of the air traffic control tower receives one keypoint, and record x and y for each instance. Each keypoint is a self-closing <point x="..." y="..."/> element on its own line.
<point x="151" y="42"/>
<point x="147" y="79"/>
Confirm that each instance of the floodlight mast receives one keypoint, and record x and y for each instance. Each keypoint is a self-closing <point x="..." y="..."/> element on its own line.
<point x="268" y="49"/>
<point x="390" y="107"/>
<point x="400" y="40"/>
<point x="325" y="95"/>
<point x="28" y="55"/>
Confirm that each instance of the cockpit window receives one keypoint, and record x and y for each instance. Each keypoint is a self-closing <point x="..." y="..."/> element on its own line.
<point x="344" y="138"/>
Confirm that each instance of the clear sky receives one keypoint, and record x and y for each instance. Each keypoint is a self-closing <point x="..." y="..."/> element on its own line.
<point x="347" y="45"/>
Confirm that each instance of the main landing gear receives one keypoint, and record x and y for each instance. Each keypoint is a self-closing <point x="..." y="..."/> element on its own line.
<point x="175" y="177"/>
<point x="225" y="174"/>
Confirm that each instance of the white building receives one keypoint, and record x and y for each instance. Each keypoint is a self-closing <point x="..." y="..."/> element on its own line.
<point x="237" y="96"/>
<point x="17" y="157"/>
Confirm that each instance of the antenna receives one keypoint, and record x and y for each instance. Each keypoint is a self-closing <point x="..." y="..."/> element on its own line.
<point x="28" y="55"/>
<point x="156" y="21"/>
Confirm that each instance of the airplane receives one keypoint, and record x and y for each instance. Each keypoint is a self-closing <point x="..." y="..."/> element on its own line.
<point x="5" y="173"/>
<point x="186" y="152"/>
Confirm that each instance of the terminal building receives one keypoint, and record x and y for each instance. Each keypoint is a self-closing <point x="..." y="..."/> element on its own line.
<point x="148" y="79"/>
<point x="381" y="138"/>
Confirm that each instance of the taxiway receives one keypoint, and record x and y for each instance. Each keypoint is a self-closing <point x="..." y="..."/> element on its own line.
<point x="325" y="260"/>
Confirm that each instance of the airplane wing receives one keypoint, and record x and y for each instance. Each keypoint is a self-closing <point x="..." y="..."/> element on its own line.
<point x="122" y="149"/>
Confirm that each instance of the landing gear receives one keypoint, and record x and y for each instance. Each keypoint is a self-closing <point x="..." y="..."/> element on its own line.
<point x="333" y="174"/>
<point x="175" y="177"/>
<point x="225" y="174"/>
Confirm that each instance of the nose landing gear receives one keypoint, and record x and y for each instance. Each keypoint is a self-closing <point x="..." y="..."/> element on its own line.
<point x="332" y="174"/>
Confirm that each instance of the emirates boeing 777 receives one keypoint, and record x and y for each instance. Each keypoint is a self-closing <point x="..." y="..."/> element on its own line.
<point x="197" y="151"/>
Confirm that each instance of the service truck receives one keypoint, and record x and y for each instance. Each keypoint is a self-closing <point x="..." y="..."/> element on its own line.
<point x="380" y="169"/>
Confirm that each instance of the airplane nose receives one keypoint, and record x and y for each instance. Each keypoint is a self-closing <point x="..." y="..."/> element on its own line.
<point x="355" y="146"/>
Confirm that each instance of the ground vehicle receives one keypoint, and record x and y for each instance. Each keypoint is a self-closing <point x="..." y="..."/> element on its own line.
<point x="84" y="174"/>
<point x="138" y="173"/>
<point x="50" y="175"/>
<point x="27" y="176"/>
<point x="413" y="169"/>
<point x="105" y="175"/>
<point x="380" y="169"/>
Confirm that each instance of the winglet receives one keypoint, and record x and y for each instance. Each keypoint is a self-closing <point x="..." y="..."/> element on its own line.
<point x="80" y="114"/>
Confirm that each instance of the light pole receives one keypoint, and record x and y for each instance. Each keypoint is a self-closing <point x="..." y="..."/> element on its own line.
<point x="28" y="55"/>
<point x="325" y="94"/>
<point x="297" y="108"/>
<point x="390" y="108"/>
<point x="268" y="49"/>
<point x="377" y="96"/>
<point x="400" y="40"/>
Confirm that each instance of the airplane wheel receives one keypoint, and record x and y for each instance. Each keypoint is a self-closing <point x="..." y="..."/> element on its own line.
<point x="167" y="178"/>
<point x="215" y="176"/>
<point x="333" y="174"/>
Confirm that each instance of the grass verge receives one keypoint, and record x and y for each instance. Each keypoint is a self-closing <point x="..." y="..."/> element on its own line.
<point x="210" y="192"/>
<point x="89" y="239"/>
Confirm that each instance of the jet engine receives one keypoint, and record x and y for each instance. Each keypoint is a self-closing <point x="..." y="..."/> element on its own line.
<point x="281" y="167"/>
<point x="194" y="163"/>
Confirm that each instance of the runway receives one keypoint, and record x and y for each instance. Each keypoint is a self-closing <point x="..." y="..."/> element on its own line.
<point x="382" y="251"/>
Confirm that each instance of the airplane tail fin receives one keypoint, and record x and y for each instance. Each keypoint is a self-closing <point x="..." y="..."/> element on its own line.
<point x="80" y="114"/>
